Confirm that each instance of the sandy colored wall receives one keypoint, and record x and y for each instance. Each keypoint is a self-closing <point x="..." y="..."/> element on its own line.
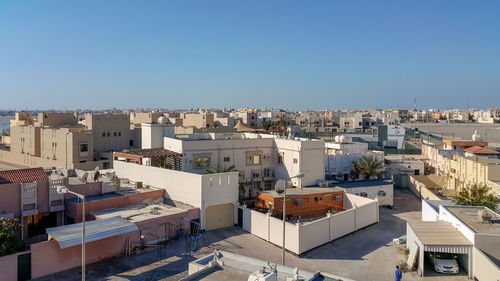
<point x="8" y="266"/>
<point x="10" y="199"/>
<point x="302" y="237"/>
<point x="421" y="191"/>
<point x="314" y="234"/>
<point x="342" y="224"/>
<point x="48" y="258"/>
<point x="179" y="186"/>
<point x="291" y="231"/>
<point x="32" y="161"/>
<point x="484" y="268"/>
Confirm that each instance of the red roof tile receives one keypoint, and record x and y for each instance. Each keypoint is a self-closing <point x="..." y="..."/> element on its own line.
<point x="481" y="150"/>
<point x="23" y="175"/>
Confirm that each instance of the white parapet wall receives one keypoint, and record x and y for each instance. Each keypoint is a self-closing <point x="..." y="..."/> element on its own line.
<point x="304" y="236"/>
<point x="198" y="190"/>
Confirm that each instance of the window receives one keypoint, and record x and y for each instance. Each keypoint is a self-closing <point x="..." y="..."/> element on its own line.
<point x="363" y="194"/>
<point x="108" y="134"/>
<point x="119" y="134"/>
<point x="103" y="135"/>
<point x="281" y="157"/>
<point x="315" y="199"/>
<point x="227" y="159"/>
<point x="84" y="147"/>
<point x="381" y="193"/>
<point x="268" y="172"/>
<point x="417" y="172"/>
<point x="114" y="134"/>
<point x="131" y="143"/>
<point x="38" y="223"/>
<point x="253" y="159"/>
<point x="202" y="161"/>
<point x="295" y="161"/>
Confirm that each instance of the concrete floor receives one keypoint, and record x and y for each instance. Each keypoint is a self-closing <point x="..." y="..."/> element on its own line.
<point x="488" y="132"/>
<point x="368" y="254"/>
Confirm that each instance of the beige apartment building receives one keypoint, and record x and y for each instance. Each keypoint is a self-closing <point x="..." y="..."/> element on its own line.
<point x="198" y="120"/>
<point x="137" y="118"/>
<point x="249" y="117"/>
<point x="59" y="140"/>
<point x="460" y="167"/>
<point x="260" y="159"/>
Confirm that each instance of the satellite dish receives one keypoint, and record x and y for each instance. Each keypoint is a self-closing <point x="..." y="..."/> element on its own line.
<point x="56" y="174"/>
<point x="96" y="173"/>
<point x="84" y="177"/>
<point x="280" y="186"/>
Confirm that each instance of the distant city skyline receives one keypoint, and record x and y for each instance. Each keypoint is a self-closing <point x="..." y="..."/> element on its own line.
<point x="281" y="54"/>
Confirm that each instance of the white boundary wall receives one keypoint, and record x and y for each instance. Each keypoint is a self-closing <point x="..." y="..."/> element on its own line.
<point x="197" y="190"/>
<point x="428" y="212"/>
<point x="302" y="237"/>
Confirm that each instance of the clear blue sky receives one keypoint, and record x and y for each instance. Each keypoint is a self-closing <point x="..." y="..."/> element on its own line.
<point x="286" y="54"/>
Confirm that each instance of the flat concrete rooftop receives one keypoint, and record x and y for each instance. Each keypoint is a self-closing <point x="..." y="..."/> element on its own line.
<point x="139" y="212"/>
<point x="91" y="198"/>
<point x="469" y="216"/>
<point x="236" y="267"/>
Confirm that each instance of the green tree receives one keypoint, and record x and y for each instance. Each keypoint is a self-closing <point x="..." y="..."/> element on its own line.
<point x="220" y="169"/>
<point x="477" y="195"/>
<point x="369" y="167"/>
<point x="267" y="126"/>
<point x="9" y="243"/>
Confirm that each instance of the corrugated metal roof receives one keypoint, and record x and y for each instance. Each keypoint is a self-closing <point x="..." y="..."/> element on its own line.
<point x="71" y="235"/>
<point x="438" y="233"/>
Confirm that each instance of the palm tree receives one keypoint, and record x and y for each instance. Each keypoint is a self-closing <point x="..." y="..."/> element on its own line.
<point x="369" y="167"/>
<point x="267" y="125"/>
<point x="220" y="169"/>
<point x="477" y="195"/>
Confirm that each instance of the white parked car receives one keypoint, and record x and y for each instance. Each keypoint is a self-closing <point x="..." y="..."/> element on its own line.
<point x="444" y="262"/>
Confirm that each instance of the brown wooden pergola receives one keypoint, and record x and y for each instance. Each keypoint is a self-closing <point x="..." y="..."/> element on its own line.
<point x="158" y="156"/>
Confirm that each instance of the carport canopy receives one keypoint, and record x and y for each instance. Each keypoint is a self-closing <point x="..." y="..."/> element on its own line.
<point x="437" y="236"/>
<point x="71" y="235"/>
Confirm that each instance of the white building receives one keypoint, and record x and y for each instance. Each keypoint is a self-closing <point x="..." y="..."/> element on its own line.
<point x="382" y="190"/>
<point x="152" y="134"/>
<point x="260" y="159"/>
<point x="215" y="194"/>
<point x="471" y="233"/>
<point x="342" y="154"/>
<point x="391" y="136"/>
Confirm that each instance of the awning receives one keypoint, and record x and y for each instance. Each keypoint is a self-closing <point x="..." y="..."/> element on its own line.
<point x="71" y="235"/>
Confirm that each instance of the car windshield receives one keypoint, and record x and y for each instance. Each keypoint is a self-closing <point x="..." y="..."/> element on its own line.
<point x="444" y="256"/>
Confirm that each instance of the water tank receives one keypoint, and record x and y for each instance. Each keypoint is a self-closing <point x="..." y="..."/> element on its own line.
<point x="476" y="136"/>
<point x="342" y="139"/>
